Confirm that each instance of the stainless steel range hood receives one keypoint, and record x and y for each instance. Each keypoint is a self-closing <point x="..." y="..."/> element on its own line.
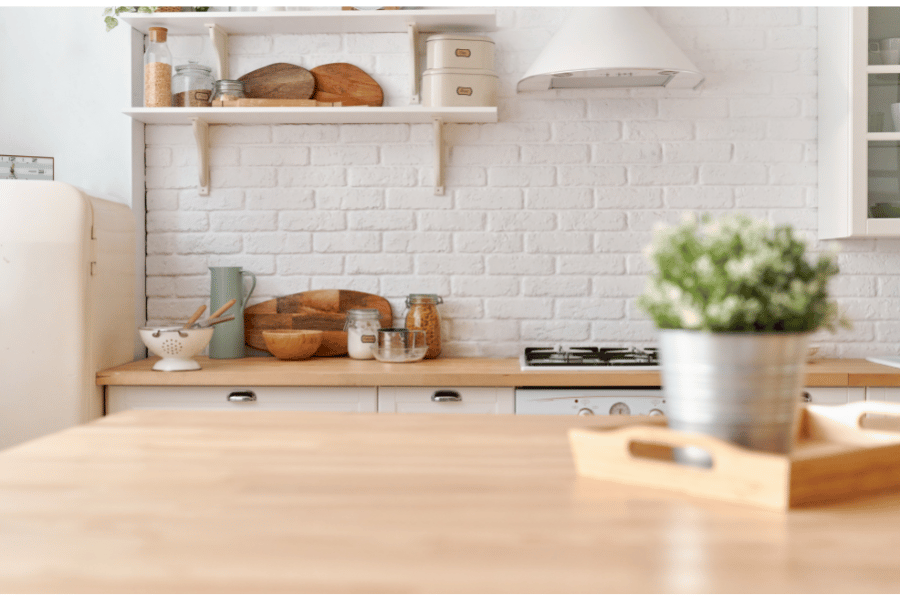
<point x="610" y="47"/>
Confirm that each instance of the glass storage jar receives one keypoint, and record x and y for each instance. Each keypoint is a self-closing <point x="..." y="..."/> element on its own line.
<point x="157" y="69"/>
<point x="422" y="313"/>
<point x="228" y="89"/>
<point x="362" y="327"/>
<point x="192" y="85"/>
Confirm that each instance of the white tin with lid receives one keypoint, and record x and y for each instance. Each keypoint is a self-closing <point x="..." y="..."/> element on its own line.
<point x="457" y="51"/>
<point x="459" y="87"/>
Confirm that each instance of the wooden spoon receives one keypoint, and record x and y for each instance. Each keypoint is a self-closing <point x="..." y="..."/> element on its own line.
<point x="194" y="317"/>
<point x="222" y="309"/>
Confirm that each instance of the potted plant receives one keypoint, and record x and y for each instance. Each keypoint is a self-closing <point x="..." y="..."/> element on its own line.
<point x="735" y="301"/>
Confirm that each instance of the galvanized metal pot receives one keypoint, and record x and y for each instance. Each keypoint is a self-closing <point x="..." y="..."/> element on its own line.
<point x="740" y="387"/>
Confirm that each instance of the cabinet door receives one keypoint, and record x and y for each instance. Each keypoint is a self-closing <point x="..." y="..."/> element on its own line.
<point x="834" y="395"/>
<point x="462" y="400"/>
<point x="322" y="399"/>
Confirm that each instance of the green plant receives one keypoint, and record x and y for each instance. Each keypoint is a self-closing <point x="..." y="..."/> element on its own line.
<point x="737" y="274"/>
<point x="111" y="21"/>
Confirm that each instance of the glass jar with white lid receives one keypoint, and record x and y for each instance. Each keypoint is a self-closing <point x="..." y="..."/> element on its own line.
<point x="362" y="327"/>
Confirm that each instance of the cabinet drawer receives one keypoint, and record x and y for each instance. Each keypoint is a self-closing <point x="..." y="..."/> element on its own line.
<point x="462" y="400"/>
<point x="834" y="395"/>
<point x="884" y="394"/>
<point x="325" y="399"/>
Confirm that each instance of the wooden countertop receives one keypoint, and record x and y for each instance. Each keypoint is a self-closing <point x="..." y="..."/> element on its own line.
<point x="489" y="372"/>
<point x="222" y="502"/>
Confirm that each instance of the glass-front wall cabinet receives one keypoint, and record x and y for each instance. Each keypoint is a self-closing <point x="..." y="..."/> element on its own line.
<point x="883" y="107"/>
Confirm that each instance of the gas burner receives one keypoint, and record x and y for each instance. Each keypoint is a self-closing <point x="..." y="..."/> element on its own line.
<point x="589" y="357"/>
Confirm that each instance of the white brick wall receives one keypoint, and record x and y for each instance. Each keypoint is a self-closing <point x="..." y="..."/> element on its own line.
<point x="538" y="239"/>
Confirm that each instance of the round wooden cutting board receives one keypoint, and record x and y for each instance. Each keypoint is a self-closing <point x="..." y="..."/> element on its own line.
<point x="280" y="80"/>
<point x="324" y="310"/>
<point x="347" y="84"/>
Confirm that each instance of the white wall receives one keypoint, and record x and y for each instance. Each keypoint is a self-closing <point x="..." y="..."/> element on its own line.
<point x="64" y="83"/>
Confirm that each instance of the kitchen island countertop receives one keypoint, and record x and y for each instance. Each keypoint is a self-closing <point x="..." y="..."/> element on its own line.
<point x="489" y="372"/>
<point x="222" y="502"/>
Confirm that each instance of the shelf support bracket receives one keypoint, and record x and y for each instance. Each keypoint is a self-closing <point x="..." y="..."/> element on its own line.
<point x="201" y="136"/>
<point x="414" y="63"/>
<point x="220" y="44"/>
<point x="438" y="156"/>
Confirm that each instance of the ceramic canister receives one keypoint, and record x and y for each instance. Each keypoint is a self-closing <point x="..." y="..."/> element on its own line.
<point x="459" y="87"/>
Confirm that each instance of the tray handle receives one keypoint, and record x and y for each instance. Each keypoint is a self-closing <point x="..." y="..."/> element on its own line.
<point x="851" y="415"/>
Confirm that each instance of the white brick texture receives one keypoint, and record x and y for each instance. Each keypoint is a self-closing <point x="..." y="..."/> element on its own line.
<point x="539" y="236"/>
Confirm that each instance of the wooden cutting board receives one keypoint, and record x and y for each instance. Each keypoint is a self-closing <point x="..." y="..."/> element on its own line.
<point x="325" y="310"/>
<point x="347" y="84"/>
<point x="280" y="80"/>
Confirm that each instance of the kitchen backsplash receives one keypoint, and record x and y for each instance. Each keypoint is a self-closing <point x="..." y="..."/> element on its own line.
<point x="539" y="236"/>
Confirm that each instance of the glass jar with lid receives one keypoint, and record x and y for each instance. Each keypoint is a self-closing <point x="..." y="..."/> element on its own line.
<point x="192" y="85"/>
<point x="422" y="313"/>
<point x="362" y="327"/>
<point x="228" y="89"/>
<point x="157" y="69"/>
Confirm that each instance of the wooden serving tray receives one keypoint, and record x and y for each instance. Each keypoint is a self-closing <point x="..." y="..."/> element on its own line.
<point x="834" y="457"/>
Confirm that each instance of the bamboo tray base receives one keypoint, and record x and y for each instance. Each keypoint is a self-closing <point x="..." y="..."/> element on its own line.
<point x="834" y="457"/>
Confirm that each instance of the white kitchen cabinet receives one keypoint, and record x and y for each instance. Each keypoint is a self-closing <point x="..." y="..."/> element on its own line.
<point x="859" y="145"/>
<point x="458" y="400"/>
<point x="219" y="25"/>
<point x="883" y="394"/>
<point x="834" y="395"/>
<point x="326" y="399"/>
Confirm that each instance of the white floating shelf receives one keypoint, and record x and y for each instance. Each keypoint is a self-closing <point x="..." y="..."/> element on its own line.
<point x="305" y="21"/>
<point x="304" y="115"/>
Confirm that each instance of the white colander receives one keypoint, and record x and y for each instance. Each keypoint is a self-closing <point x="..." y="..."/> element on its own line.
<point x="176" y="346"/>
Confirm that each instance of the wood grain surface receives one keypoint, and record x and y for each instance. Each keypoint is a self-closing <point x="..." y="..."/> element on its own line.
<point x="257" y="502"/>
<point x="443" y="371"/>
<point x="324" y="310"/>
<point x="279" y="80"/>
<point x="347" y="84"/>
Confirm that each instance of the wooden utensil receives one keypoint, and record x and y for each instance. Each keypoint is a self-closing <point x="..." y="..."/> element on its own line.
<point x="347" y="84"/>
<point x="195" y="316"/>
<point x="280" y="80"/>
<point x="222" y="309"/>
<point x="325" y="310"/>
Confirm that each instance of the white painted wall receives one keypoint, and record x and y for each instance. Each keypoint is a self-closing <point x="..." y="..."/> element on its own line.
<point x="64" y="82"/>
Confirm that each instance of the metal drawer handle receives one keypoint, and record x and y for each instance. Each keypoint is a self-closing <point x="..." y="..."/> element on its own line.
<point x="246" y="396"/>
<point x="446" y="396"/>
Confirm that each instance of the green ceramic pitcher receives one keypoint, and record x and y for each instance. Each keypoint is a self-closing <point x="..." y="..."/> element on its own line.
<point x="227" y="283"/>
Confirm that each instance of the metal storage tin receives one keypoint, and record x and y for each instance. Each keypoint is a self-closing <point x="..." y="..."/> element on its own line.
<point x="455" y="51"/>
<point x="459" y="87"/>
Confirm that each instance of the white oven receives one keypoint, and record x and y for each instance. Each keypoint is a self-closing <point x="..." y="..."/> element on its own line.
<point x="590" y="401"/>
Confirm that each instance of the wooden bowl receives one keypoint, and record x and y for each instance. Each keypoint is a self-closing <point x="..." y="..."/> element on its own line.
<point x="292" y="344"/>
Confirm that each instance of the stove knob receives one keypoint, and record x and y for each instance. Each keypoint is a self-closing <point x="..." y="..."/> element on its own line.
<point x="655" y="412"/>
<point x="619" y="408"/>
<point x="585" y="412"/>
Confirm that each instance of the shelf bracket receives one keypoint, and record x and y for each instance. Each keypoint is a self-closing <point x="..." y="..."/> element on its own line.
<point x="414" y="63"/>
<point x="438" y="156"/>
<point x="201" y="136"/>
<point x="220" y="44"/>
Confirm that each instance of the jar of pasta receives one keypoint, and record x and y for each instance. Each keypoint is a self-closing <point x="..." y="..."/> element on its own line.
<point x="422" y="313"/>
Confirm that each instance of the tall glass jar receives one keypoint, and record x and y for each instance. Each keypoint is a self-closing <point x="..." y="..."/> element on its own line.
<point x="362" y="327"/>
<point x="157" y="69"/>
<point x="192" y="85"/>
<point x="422" y="313"/>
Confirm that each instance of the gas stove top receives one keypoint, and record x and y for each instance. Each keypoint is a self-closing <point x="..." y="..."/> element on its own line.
<point x="588" y="358"/>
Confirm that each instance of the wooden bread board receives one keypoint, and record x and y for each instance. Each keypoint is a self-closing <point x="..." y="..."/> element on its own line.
<point x="347" y="84"/>
<point x="324" y="310"/>
<point x="834" y="458"/>
<point x="279" y="80"/>
<point x="270" y="102"/>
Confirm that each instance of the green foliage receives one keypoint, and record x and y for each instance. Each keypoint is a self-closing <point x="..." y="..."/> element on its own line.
<point x="740" y="275"/>
<point x="111" y="21"/>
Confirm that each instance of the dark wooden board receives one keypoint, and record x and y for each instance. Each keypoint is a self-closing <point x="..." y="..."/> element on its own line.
<point x="325" y="310"/>
<point x="347" y="84"/>
<point x="283" y="81"/>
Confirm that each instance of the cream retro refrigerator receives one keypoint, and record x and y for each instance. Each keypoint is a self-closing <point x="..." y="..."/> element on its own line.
<point x="66" y="304"/>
